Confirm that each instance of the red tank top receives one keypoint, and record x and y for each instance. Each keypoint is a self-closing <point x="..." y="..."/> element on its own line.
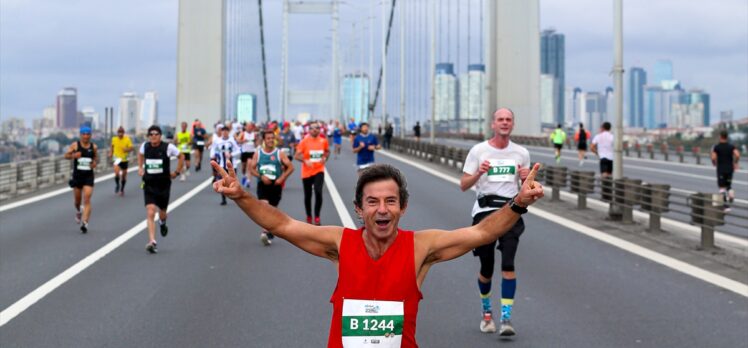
<point x="391" y="278"/>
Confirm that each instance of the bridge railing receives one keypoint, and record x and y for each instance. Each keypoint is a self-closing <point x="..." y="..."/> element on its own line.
<point x="624" y="196"/>
<point x="24" y="177"/>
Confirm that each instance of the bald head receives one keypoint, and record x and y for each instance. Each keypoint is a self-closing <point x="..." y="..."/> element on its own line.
<point x="503" y="122"/>
<point x="503" y="112"/>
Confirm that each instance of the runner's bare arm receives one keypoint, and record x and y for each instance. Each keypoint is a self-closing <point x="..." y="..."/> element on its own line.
<point x="446" y="245"/>
<point x="253" y="164"/>
<point x="71" y="150"/>
<point x="468" y="180"/>
<point x="322" y="241"/>
<point x="287" y="167"/>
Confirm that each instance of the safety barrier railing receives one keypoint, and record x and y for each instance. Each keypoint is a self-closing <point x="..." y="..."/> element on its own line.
<point x="24" y="177"/>
<point x="624" y="196"/>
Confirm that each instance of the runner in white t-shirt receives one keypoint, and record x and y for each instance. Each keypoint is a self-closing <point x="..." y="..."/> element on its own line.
<point x="495" y="169"/>
<point x="602" y="146"/>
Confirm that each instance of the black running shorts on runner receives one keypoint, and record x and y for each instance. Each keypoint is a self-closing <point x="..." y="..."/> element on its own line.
<point x="271" y="193"/>
<point x="186" y="156"/>
<point x="81" y="180"/>
<point x="247" y="156"/>
<point x="582" y="146"/>
<point x="122" y="165"/>
<point x="157" y="195"/>
<point x="558" y="146"/>
<point x="508" y="243"/>
<point x="724" y="179"/>
<point x="198" y="147"/>
<point x="606" y="165"/>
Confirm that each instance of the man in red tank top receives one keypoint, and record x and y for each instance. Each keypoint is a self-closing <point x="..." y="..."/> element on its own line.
<point x="380" y="267"/>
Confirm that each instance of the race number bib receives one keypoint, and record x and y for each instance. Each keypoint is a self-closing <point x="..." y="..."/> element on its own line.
<point x="200" y="143"/>
<point x="84" y="163"/>
<point x="316" y="155"/>
<point x="154" y="166"/>
<point x="502" y="170"/>
<point x="269" y="171"/>
<point x="372" y="323"/>
<point x="117" y="161"/>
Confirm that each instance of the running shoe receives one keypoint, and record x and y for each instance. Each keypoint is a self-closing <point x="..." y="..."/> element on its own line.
<point x="506" y="329"/>
<point x="487" y="325"/>
<point x="244" y="181"/>
<point x="316" y="221"/>
<point x="182" y="177"/>
<point x="151" y="247"/>
<point x="116" y="189"/>
<point x="309" y="219"/>
<point x="265" y="239"/>
<point x="271" y="235"/>
<point x="78" y="216"/>
<point x="164" y="230"/>
<point x="84" y="227"/>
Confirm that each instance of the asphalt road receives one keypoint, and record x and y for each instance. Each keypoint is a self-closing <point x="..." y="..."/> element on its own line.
<point x="214" y="284"/>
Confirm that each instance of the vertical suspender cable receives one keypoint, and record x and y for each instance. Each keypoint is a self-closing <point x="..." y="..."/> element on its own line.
<point x="264" y="65"/>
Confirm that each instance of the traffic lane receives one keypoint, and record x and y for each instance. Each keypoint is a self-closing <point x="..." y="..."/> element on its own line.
<point x="567" y="284"/>
<point x="211" y="284"/>
<point x="40" y="240"/>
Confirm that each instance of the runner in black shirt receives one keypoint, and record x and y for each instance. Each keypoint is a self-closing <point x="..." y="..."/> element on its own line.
<point x="725" y="157"/>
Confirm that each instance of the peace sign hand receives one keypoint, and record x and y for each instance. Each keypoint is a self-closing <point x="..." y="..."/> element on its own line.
<point x="531" y="190"/>
<point x="228" y="185"/>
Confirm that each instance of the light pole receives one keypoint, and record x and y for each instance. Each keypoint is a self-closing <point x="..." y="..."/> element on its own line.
<point x="618" y="89"/>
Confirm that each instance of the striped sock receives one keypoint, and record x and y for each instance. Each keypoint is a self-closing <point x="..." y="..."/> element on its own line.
<point x="508" y="289"/>
<point x="485" y="295"/>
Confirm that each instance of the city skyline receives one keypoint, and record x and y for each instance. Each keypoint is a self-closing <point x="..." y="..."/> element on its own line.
<point x="101" y="69"/>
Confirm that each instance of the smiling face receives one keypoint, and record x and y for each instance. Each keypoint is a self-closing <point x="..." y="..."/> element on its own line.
<point x="503" y="122"/>
<point x="380" y="208"/>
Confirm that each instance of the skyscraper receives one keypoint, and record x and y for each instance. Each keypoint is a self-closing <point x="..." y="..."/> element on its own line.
<point x="148" y="111"/>
<point x="637" y="81"/>
<point x="129" y="111"/>
<point x="90" y="117"/>
<point x="552" y="62"/>
<point x="472" y="96"/>
<point x="246" y="107"/>
<point x="595" y="106"/>
<point x="663" y="70"/>
<point x="356" y="97"/>
<point x="67" y="108"/>
<point x="699" y="96"/>
<point x="445" y="101"/>
<point x="548" y="103"/>
<point x="653" y="106"/>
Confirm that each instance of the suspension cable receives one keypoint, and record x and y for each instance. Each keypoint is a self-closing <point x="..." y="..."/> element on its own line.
<point x="264" y="65"/>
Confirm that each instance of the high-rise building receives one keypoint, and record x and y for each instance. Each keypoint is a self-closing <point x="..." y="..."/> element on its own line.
<point x="725" y="116"/>
<point x="594" y="110"/>
<point x="472" y="96"/>
<point x="574" y="105"/>
<point x="552" y="62"/>
<point x="355" y="97"/>
<point x="67" y="108"/>
<point x="445" y="101"/>
<point x="637" y="81"/>
<point x="90" y="117"/>
<point x="246" y="107"/>
<point x="129" y="112"/>
<point x="610" y="106"/>
<point x="654" y="106"/>
<point x="50" y="113"/>
<point x="548" y="103"/>
<point x="148" y="111"/>
<point x="699" y="96"/>
<point x="663" y="70"/>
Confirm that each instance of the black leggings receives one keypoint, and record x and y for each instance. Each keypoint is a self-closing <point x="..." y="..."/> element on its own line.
<point x="317" y="181"/>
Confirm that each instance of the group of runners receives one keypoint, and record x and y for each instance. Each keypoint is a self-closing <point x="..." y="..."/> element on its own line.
<point x="374" y="261"/>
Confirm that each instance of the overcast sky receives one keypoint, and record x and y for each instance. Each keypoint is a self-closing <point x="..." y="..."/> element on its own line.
<point x="105" y="48"/>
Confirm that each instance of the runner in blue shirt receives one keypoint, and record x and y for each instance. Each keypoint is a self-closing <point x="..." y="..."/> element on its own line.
<point x="337" y="138"/>
<point x="364" y="145"/>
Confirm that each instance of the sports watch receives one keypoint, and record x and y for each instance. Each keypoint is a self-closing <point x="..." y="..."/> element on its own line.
<point x="516" y="207"/>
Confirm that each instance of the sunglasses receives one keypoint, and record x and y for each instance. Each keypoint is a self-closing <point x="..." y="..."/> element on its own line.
<point x="154" y="133"/>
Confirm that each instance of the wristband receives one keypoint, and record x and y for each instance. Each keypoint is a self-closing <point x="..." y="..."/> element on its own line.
<point x="516" y="207"/>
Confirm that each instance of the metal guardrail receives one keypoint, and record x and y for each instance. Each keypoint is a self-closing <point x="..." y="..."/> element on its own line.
<point x="19" y="178"/>
<point x="624" y="195"/>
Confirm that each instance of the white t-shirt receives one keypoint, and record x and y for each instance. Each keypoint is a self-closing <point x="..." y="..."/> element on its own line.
<point x="512" y="155"/>
<point x="249" y="142"/>
<point x="298" y="131"/>
<point x="604" y="142"/>
<point x="171" y="150"/>
<point x="222" y="146"/>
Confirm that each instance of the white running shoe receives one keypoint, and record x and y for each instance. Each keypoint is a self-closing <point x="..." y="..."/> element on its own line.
<point x="486" y="324"/>
<point x="265" y="240"/>
<point x="183" y="177"/>
<point x="506" y="329"/>
<point x="78" y="216"/>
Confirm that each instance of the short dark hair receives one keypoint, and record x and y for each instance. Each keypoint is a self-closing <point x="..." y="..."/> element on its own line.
<point x="381" y="172"/>
<point x="581" y="125"/>
<point x="723" y="134"/>
<point x="363" y="124"/>
<point x="606" y="125"/>
<point x="154" y="128"/>
<point x="266" y="132"/>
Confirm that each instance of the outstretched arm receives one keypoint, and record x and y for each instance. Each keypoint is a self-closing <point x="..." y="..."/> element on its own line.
<point x="322" y="241"/>
<point x="446" y="245"/>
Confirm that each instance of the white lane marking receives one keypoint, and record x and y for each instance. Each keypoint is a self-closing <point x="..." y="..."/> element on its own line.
<point x="696" y="272"/>
<point x="662" y="171"/>
<point x="53" y="193"/>
<point x="337" y="201"/>
<point x="45" y="289"/>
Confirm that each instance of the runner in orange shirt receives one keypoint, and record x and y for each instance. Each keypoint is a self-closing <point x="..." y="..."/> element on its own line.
<point x="313" y="151"/>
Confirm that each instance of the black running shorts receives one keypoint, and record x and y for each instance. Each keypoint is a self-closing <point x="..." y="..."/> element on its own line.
<point x="724" y="179"/>
<point x="606" y="165"/>
<point x="122" y="165"/>
<point x="81" y="180"/>
<point x="507" y="243"/>
<point x="247" y="156"/>
<point x="157" y="195"/>
<point x="271" y="193"/>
